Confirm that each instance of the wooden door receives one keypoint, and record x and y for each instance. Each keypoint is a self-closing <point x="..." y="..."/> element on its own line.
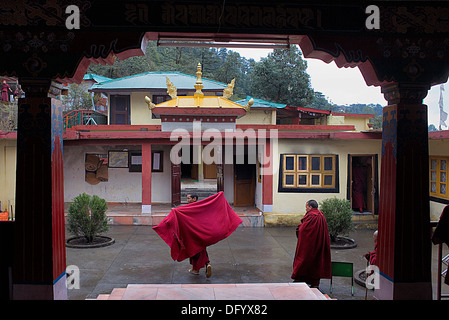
<point x="210" y="170"/>
<point x="120" y="110"/>
<point x="220" y="177"/>
<point x="175" y="184"/>
<point x="369" y="190"/>
<point x="244" y="184"/>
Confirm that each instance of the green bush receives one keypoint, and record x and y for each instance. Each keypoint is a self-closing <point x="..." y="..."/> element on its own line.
<point x="338" y="215"/>
<point x="87" y="216"/>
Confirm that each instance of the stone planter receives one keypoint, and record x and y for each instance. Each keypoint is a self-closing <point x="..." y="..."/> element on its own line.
<point x="81" y="242"/>
<point x="343" y="243"/>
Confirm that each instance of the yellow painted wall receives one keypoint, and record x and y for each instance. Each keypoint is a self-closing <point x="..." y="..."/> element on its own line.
<point x="257" y="116"/>
<point x="140" y="114"/>
<point x="437" y="148"/>
<point x="360" y="123"/>
<point x="8" y="153"/>
<point x="288" y="208"/>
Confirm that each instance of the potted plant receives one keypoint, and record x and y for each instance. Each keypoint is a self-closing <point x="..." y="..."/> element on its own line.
<point x="338" y="215"/>
<point x="86" y="220"/>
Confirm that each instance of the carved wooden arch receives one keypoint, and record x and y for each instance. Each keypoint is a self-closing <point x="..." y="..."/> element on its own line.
<point x="380" y="61"/>
<point x="411" y="46"/>
<point x="341" y="58"/>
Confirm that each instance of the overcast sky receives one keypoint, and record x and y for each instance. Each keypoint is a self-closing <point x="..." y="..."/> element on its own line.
<point x="347" y="86"/>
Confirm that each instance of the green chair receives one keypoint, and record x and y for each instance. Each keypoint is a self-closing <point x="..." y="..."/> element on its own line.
<point x="343" y="269"/>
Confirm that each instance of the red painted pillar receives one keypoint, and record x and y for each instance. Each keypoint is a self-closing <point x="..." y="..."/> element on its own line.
<point x="39" y="234"/>
<point x="146" y="178"/>
<point x="404" y="247"/>
<point x="267" y="177"/>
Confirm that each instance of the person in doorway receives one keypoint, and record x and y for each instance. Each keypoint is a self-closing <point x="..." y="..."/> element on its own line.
<point x="358" y="185"/>
<point x="313" y="256"/>
<point x="201" y="259"/>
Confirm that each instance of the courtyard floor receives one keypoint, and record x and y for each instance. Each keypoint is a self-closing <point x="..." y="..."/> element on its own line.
<point x="249" y="255"/>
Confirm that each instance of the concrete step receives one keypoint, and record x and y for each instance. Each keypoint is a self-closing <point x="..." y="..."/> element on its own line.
<point x="227" y="291"/>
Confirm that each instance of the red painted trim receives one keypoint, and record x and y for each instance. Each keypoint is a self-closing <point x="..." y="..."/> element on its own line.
<point x="296" y="127"/>
<point x="146" y="174"/>
<point x="308" y="110"/>
<point x="267" y="178"/>
<point x="444" y="134"/>
<point x="203" y="118"/>
<point x="357" y="115"/>
<point x="377" y="135"/>
<point x="8" y="135"/>
<point x="199" y="111"/>
<point x="116" y="127"/>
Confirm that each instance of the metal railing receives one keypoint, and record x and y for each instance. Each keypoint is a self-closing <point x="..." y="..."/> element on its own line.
<point x="84" y="117"/>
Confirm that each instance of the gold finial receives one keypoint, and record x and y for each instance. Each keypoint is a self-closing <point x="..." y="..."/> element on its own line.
<point x="229" y="90"/>
<point x="198" y="84"/>
<point x="151" y="105"/>
<point x="248" y="106"/>
<point x="171" y="89"/>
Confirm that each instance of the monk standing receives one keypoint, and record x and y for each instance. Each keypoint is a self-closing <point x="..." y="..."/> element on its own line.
<point x="313" y="256"/>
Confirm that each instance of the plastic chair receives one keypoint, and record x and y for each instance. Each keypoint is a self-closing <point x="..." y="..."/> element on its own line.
<point x="343" y="269"/>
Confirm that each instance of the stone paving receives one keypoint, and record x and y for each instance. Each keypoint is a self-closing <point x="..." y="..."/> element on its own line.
<point x="248" y="256"/>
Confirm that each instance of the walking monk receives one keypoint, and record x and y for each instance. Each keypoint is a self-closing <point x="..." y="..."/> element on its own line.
<point x="189" y="229"/>
<point x="313" y="256"/>
<point x="201" y="259"/>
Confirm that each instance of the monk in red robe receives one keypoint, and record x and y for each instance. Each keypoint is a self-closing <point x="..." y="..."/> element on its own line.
<point x="189" y="229"/>
<point x="313" y="256"/>
<point x="358" y="185"/>
<point x="371" y="256"/>
<point x="201" y="259"/>
<point x="6" y="90"/>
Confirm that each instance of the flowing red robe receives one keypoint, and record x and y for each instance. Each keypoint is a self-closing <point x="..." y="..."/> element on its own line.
<point x="190" y="228"/>
<point x="313" y="255"/>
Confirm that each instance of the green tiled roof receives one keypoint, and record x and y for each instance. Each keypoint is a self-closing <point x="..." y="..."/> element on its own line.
<point x="260" y="103"/>
<point x="157" y="80"/>
<point x="95" y="77"/>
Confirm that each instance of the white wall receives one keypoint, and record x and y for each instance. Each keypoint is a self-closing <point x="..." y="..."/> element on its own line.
<point x="122" y="185"/>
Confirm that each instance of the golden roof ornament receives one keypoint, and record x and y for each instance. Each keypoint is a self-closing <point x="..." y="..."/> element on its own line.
<point x="171" y="89"/>
<point x="248" y="105"/>
<point x="229" y="90"/>
<point x="198" y="84"/>
<point x="151" y="105"/>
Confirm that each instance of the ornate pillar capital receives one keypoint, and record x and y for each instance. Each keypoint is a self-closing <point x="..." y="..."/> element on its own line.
<point x="408" y="93"/>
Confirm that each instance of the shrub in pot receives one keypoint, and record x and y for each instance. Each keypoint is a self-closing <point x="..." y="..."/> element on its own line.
<point x="87" y="217"/>
<point x="338" y="213"/>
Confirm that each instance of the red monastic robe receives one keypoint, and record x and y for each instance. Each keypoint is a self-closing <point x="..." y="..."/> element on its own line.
<point x="190" y="228"/>
<point x="358" y="182"/>
<point x="313" y="255"/>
